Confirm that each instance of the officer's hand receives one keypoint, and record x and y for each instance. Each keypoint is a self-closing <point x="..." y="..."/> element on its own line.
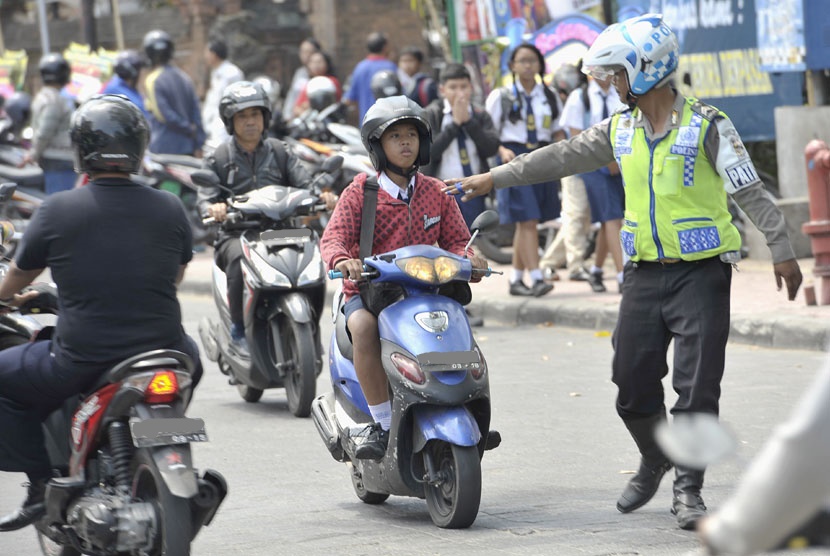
<point x="219" y="211"/>
<point x="790" y="272"/>
<point x="330" y="199"/>
<point x="351" y="268"/>
<point x="478" y="263"/>
<point x="470" y="187"/>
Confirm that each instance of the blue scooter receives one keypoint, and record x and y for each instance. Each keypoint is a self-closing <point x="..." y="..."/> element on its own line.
<point x="439" y="387"/>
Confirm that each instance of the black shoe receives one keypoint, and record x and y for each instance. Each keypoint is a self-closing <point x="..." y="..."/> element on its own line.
<point x="519" y="288"/>
<point x="371" y="442"/>
<point x="580" y="275"/>
<point x="240" y="346"/>
<point x="689" y="509"/>
<point x="595" y="281"/>
<point x="32" y="510"/>
<point x="642" y="487"/>
<point x="540" y="288"/>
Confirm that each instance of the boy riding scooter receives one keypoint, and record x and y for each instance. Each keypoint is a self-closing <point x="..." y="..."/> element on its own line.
<point x="411" y="209"/>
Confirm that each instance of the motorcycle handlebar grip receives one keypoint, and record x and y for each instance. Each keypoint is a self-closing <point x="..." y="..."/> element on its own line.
<point x="208" y="220"/>
<point x="335" y="274"/>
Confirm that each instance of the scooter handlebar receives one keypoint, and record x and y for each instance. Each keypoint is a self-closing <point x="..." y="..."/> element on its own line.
<point x="335" y="274"/>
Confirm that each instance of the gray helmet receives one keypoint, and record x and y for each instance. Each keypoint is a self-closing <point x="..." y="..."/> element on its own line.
<point x="388" y="111"/>
<point x="567" y="78"/>
<point x="158" y="46"/>
<point x="241" y="95"/>
<point x="109" y="134"/>
<point x="385" y="83"/>
<point x="321" y="92"/>
<point x="128" y="65"/>
<point x="54" y="69"/>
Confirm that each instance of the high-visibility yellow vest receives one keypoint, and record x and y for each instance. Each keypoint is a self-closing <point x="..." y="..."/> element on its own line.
<point x="675" y="201"/>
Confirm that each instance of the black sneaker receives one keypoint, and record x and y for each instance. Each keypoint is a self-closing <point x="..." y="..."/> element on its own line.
<point x="371" y="442"/>
<point x="579" y="275"/>
<point x="519" y="288"/>
<point x="540" y="288"/>
<point x="32" y="510"/>
<point x="595" y="281"/>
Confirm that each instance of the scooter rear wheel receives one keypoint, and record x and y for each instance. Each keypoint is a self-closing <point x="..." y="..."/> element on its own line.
<point x="453" y="503"/>
<point x="248" y="393"/>
<point x="51" y="548"/>
<point x="366" y="496"/>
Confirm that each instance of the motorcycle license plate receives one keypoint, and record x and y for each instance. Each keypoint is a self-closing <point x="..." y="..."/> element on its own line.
<point x="437" y="361"/>
<point x="163" y="432"/>
<point x="286" y="237"/>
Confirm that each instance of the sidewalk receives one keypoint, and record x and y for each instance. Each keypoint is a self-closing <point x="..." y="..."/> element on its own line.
<point x="760" y="314"/>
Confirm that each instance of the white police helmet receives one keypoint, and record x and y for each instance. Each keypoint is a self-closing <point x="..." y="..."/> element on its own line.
<point x="644" y="46"/>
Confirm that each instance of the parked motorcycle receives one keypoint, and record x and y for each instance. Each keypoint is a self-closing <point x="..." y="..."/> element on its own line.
<point x="439" y="388"/>
<point x="125" y="481"/>
<point x="284" y="294"/>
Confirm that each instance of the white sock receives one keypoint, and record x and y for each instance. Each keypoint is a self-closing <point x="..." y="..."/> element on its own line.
<point x="382" y="413"/>
<point x="536" y="275"/>
<point x="595" y="269"/>
<point x="517" y="275"/>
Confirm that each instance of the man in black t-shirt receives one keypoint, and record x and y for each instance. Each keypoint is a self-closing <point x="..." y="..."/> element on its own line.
<point x="117" y="251"/>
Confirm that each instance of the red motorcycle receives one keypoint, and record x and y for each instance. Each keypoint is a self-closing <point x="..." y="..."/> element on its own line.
<point x="127" y="485"/>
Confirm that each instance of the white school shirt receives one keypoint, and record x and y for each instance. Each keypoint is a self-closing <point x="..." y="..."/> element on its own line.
<point x="517" y="132"/>
<point x="450" y="166"/>
<point x="573" y="115"/>
<point x="386" y="183"/>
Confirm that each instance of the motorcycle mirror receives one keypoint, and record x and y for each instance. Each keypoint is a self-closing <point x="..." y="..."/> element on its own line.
<point x="6" y="191"/>
<point x="485" y="222"/>
<point x="207" y="178"/>
<point x="332" y="164"/>
<point x="696" y="440"/>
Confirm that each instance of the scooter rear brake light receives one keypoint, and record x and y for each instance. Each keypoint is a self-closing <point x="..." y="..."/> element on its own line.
<point x="481" y="370"/>
<point x="408" y="368"/>
<point x="163" y="388"/>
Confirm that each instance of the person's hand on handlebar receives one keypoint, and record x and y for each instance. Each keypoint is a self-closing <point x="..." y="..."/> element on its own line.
<point x="218" y="211"/>
<point x="330" y="198"/>
<point x="479" y="263"/>
<point x="351" y="268"/>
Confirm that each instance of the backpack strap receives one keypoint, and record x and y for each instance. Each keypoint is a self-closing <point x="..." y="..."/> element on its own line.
<point x="367" y="220"/>
<point x="281" y="152"/>
<point x="224" y="162"/>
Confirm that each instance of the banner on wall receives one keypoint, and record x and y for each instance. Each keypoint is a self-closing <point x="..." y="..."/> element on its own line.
<point x="780" y="30"/>
<point x="12" y="71"/>
<point x="90" y="70"/>
<point x="720" y="61"/>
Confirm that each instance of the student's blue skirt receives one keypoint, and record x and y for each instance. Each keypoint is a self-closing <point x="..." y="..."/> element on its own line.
<point x="605" y="195"/>
<point x="521" y="203"/>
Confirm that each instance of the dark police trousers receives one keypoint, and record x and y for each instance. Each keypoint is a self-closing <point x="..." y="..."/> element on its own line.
<point x="228" y="256"/>
<point x="684" y="301"/>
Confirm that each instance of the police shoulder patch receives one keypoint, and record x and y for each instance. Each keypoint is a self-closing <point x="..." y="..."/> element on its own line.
<point x="708" y="112"/>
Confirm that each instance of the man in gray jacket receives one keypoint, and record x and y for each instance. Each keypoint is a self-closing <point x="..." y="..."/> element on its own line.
<point x="51" y="114"/>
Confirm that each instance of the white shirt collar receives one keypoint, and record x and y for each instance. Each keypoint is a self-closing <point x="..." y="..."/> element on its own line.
<point x="391" y="187"/>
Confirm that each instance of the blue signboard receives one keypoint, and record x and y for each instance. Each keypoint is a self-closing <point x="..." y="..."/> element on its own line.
<point x="720" y="62"/>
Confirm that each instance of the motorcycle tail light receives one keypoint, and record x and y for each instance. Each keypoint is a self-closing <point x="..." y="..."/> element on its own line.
<point x="408" y="368"/>
<point x="481" y="370"/>
<point x="162" y="388"/>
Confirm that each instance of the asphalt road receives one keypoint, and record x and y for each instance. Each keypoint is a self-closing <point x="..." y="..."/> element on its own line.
<point x="549" y="488"/>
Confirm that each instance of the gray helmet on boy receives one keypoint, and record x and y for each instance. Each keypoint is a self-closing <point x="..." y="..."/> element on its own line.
<point x="241" y="95"/>
<point x="386" y="112"/>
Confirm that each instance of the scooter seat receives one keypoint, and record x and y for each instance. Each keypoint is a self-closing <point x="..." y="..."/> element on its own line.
<point x="344" y="343"/>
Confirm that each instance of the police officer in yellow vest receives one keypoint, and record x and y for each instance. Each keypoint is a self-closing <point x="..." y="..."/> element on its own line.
<point x="679" y="159"/>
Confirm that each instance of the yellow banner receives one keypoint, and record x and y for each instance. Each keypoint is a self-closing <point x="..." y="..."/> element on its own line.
<point x="729" y="73"/>
<point x="90" y="70"/>
<point x="12" y="71"/>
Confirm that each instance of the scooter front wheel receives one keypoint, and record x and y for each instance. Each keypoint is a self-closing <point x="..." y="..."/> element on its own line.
<point x="298" y="345"/>
<point x="453" y="500"/>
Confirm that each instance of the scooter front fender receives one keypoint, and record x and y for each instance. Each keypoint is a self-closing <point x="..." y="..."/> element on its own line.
<point x="296" y="305"/>
<point x="455" y="425"/>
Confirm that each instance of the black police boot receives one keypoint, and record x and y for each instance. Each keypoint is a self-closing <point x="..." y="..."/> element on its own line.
<point x="33" y="508"/>
<point x="653" y="464"/>
<point x="687" y="504"/>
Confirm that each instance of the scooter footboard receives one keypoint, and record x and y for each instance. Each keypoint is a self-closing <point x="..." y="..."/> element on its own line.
<point x="455" y="425"/>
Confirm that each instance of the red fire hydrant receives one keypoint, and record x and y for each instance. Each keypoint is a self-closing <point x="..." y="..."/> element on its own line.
<point x="817" y="155"/>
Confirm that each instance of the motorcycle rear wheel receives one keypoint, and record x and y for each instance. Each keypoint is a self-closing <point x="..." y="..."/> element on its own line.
<point x="454" y="503"/>
<point x="298" y="344"/>
<point x="51" y="548"/>
<point x="365" y="496"/>
<point x="174" y="515"/>
<point x="249" y="393"/>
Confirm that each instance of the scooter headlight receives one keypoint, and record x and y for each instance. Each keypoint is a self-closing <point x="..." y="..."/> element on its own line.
<point x="432" y="271"/>
<point x="268" y="273"/>
<point x="313" y="272"/>
<point x="433" y="321"/>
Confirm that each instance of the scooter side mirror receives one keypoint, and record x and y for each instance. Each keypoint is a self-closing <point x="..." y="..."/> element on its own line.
<point x="6" y="191"/>
<point x="208" y="178"/>
<point x="332" y="164"/>
<point x="485" y="222"/>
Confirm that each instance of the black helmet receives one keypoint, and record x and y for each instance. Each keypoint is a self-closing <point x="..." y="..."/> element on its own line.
<point x="158" y="46"/>
<point x="388" y="111"/>
<point x="567" y="78"/>
<point x="128" y="65"/>
<point x="109" y="134"/>
<point x="54" y="69"/>
<point x="385" y="83"/>
<point x="19" y="108"/>
<point x="321" y="92"/>
<point x="241" y="95"/>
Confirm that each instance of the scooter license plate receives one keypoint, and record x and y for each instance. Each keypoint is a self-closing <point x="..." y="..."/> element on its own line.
<point x="285" y="237"/>
<point x="163" y="432"/>
<point x="436" y="361"/>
